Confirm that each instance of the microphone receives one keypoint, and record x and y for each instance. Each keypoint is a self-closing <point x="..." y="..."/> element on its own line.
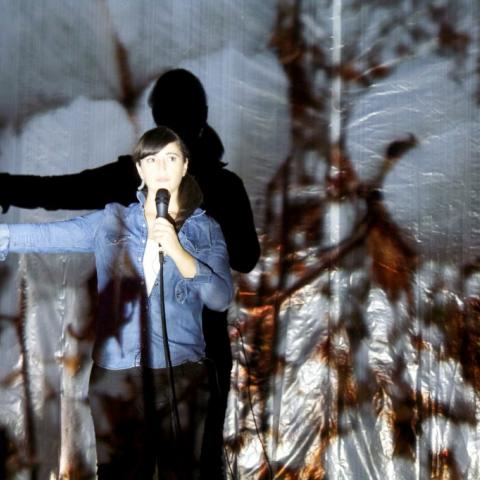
<point x="162" y="199"/>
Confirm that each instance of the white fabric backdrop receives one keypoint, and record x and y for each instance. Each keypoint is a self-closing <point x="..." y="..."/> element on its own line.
<point x="355" y="336"/>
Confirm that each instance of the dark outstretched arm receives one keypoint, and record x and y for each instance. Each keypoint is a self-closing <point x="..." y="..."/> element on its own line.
<point x="87" y="190"/>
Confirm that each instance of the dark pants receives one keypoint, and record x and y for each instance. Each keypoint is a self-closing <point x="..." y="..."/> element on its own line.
<point x="219" y="354"/>
<point x="133" y="427"/>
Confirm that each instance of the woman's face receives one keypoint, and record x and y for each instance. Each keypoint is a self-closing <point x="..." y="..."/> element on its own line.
<point x="164" y="169"/>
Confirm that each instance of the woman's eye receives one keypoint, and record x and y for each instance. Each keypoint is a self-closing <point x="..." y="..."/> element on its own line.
<point x="173" y="158"/>
<point x="150" y="160"/>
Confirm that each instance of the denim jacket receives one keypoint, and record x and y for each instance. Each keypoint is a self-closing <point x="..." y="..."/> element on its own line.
<point x="128" y="326"/>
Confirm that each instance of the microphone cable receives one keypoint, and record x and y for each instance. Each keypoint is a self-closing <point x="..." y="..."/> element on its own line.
<point x="162" y="199"/>
<point x="168" y="359"/>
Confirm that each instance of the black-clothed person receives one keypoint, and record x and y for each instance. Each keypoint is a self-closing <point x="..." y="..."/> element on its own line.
<point x="178" y="101"/>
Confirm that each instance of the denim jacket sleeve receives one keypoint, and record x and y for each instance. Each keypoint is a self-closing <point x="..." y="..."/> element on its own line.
<point x="75" y="235"/>
<point x="213" y="278"/>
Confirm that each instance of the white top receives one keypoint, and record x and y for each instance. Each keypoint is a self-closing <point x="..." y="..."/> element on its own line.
<point x="151" y="264"/>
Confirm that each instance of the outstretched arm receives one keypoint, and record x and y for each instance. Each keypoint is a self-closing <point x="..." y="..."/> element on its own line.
<point x="75" y="235"/>
<point x="87" y="190"/>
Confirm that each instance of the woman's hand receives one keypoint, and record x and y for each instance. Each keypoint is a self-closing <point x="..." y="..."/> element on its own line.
<point x="163" y="232"/>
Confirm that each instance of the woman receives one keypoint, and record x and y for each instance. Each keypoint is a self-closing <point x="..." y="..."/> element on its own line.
<point x="128" y="385"/>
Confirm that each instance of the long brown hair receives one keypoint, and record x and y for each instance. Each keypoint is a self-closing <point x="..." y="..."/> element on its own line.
<point x="190" y="195"/>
